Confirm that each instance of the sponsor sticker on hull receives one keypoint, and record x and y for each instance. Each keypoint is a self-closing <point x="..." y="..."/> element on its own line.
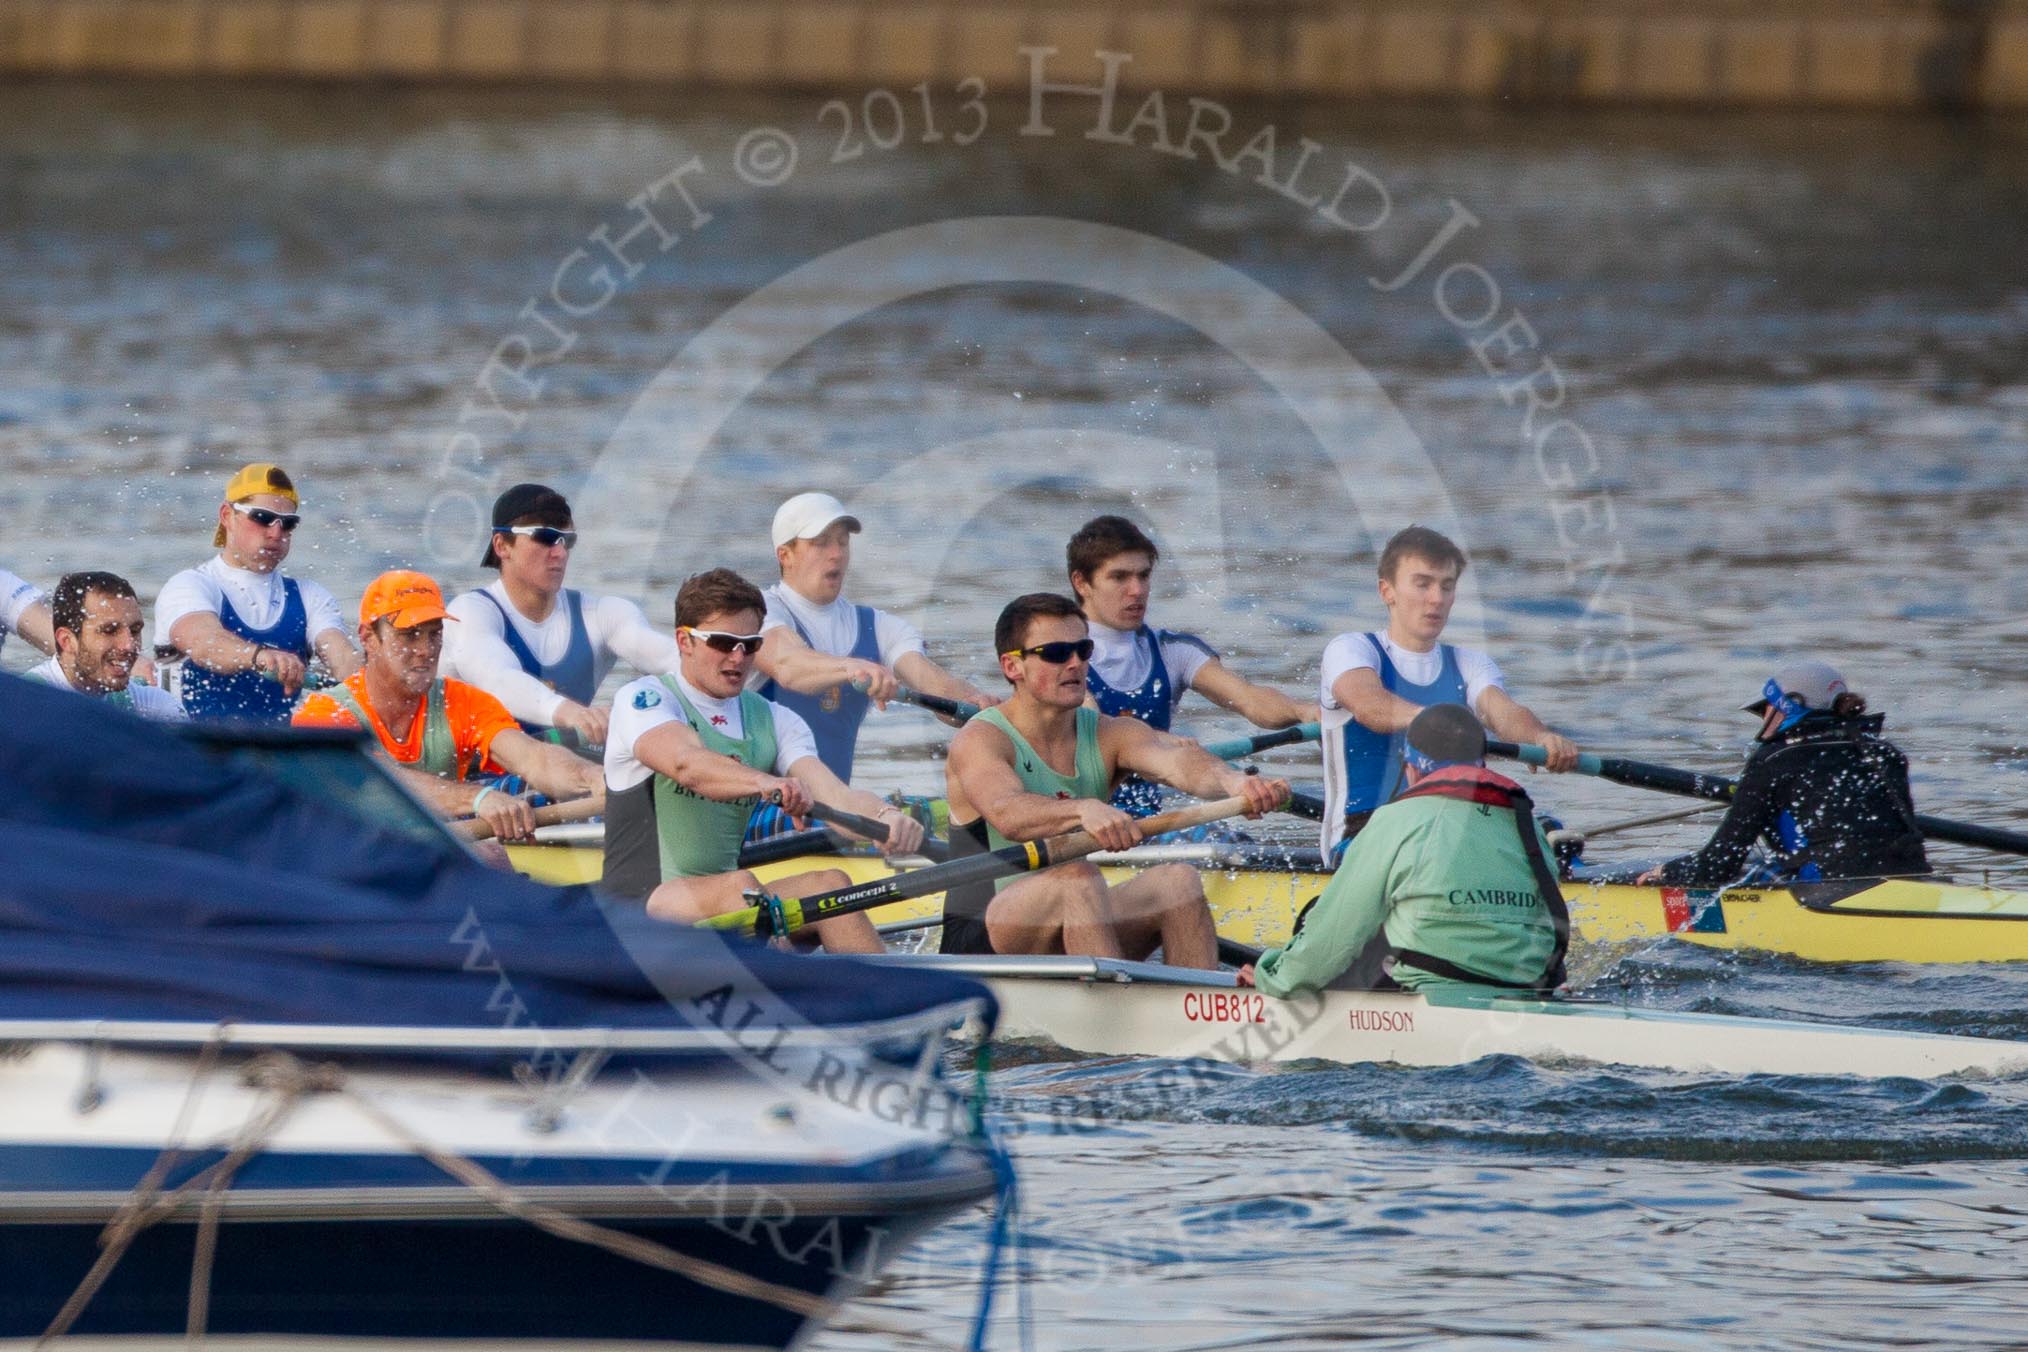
<point x="1693" y="910"/>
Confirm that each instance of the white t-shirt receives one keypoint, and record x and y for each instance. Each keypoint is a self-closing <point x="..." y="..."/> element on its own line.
<point x="835" y="628"/>
<point x="1123" y="658"/>
<point x="476" y="651"/>
<point x="258" y="597"/>
<point x="149" y="702"/>
<point x="1350" y="652"/>
<point x="16" y="597"/>
<point x="647" y="703"/>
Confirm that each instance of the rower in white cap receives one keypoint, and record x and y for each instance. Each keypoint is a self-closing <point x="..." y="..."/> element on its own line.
<point x="821" y="647"/>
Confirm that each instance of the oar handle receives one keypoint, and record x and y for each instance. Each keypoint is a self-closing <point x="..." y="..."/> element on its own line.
<point x="797" y="912"/>
<point x="549" y="814"/>
<point x="874" y="829"/>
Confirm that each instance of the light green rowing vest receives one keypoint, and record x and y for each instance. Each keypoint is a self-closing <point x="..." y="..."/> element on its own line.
<point x="439" y="747"/>
<point x="1089" y="779"/>
<point x="119" y="699"/>
<point x="697" y="837"/>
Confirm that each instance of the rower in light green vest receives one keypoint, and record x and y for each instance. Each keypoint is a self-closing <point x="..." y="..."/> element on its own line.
<point x="689" y="755"/>
<point x="1042" y="764"/>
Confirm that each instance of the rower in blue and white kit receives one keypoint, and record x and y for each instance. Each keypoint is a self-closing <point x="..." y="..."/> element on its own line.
<point x="1140" y="672"/>
<point x="24" y="611"/>
<point x="540" y="648"/>
<point x="1374" y="684"/>
<point x="820" y="645"/>
<point x="247" y="630"/>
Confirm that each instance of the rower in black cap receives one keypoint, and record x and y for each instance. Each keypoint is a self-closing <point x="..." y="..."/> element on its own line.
<point x="538" y="647"/>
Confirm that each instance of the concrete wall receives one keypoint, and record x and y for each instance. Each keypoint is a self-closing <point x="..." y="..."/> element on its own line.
<point x="1712" y="53"/>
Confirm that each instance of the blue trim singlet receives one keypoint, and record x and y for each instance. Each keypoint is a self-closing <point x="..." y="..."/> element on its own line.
<point x="1372" y="760"/>
<point x="835" y="715"/>
<point x="248" y="696"/>
<point x="1153" y="701"/>
<point x="575" y="675"/>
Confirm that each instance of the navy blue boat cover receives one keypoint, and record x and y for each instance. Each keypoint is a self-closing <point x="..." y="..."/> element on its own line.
<point x="143" y="876"/>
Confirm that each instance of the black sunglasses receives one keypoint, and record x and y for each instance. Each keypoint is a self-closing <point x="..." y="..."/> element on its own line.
<point x="546" y="536"/>
<point x="719" y="641"/>
<point x="1059" y="652"/>
<point x="264" y="518"/>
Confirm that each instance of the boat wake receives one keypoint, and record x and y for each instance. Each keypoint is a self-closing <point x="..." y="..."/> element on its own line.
<point x="1508" y="1105"/>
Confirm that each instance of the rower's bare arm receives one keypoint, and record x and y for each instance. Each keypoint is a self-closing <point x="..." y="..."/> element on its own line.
<point x="510" y="817"/>
<point x="904" y="833"/>
<point x="1261" y="705"/>
<point x="340" y="658"/>
<point x="1375" y="707"/>
<point x="1183" y="764"/>
<point x="788" y="661"/>
<point x="981" y="773"/>
<point x="1514" y="721"/>
<point x="674" y="749"/>
<point x="204" y="639"/>
<point x="919" y="673"/>
<point x="556" y="772"/>
<point x="37" y="628"/>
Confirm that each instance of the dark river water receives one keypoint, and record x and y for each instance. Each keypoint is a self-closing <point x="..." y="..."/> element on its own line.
<point x="1698" y="394"/>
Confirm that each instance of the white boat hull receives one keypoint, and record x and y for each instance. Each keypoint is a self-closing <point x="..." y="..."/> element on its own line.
<point x="1109" y="1008"/>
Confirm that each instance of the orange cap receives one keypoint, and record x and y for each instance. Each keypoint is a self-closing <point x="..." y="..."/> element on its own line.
<point x="407" y="598"/>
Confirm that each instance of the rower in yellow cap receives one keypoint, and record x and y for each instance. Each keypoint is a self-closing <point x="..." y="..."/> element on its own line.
<point x="248" y="630"/>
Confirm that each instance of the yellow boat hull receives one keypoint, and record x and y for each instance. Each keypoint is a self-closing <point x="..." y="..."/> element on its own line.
<point x="1894" y="920"/>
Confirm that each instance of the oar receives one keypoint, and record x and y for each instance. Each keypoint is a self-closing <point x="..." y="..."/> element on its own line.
<point x="549" y="814"/>
<point x="1264" y="741"/>
<point x="1230" y="749"/>
<point x="1719" y="789"/>
<point x="1563" y="835"/>
<point x="874" y="829"/>
<point x="936" y="704"/>
<point x="780" y="915"/>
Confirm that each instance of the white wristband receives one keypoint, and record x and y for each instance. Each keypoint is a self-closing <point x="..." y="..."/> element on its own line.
<point x="480" y="796"/>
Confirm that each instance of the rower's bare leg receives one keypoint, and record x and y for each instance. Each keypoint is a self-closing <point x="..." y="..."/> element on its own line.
<point x="1165" y="906"/>
<point x="847" y="933"/>
<point x="688" y="900"/>
<point x="1062" y="911"/>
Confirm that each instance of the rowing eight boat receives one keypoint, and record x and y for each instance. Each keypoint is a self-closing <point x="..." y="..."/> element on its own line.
<point x="1255" y="901"/>
<point x="1109" y="1008"/>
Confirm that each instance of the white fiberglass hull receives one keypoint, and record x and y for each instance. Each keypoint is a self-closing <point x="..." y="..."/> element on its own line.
<point x="1111" y="1008"/>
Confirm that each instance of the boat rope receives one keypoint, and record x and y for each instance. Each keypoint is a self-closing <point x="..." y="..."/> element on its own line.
<point x="565" y="1226"/>
<point x="150" y="1203"/>
<point x="1005" y="1232"/>
<point x="287" y="1081"/>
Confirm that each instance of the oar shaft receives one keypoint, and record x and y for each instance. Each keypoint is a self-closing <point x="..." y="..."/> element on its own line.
<point x="978" y="868"/>
<point x="1635" y="774"/>
<point x="1236" y="747"/>
<point x="874" y="829"/>
<point x="1719" y="789"/>
<point x="938" y="704"/>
